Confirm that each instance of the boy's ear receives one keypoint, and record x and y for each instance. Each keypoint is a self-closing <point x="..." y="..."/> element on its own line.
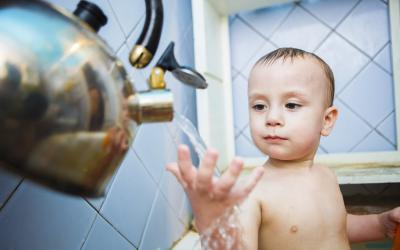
<point x="330" y="117"/>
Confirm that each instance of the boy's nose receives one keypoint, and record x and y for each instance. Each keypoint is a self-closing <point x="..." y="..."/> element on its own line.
<point x="274" y="118"/>
<point x="273" y="122"/>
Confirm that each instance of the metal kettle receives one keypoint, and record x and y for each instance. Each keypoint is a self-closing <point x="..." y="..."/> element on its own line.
<point x="68" y="112"/>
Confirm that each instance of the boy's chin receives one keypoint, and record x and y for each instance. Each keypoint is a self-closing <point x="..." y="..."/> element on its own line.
<point x="282" y="156"/>
<point x="285" y="156"/>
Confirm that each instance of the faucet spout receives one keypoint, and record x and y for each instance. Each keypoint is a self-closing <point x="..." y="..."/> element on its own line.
<point x="151" y="106"/>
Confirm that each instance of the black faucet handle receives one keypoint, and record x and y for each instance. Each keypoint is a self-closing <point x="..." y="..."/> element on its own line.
<point x="147" y="43"/>
<point x="184" y="74"/>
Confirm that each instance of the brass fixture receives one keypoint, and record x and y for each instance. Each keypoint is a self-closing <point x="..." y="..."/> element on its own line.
<point x="140" y="57"/>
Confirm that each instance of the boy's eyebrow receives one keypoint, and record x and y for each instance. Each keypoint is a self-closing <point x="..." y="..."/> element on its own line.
<point x="295" y="93"/>
<point x="291" y="93"/>
<point x="256" y="95"/>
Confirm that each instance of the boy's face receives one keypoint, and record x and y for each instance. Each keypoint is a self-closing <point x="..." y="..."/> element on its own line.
<point x="288" y="108"/>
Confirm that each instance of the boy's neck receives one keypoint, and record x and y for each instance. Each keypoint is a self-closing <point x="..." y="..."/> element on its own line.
<point x="289" y="164"/>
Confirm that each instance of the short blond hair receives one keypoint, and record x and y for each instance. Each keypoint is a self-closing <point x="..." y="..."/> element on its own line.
<point x="292" y="53"/>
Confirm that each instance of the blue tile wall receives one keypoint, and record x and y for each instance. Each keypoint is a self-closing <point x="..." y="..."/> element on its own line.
<point x="353" y="37"/>
<point x="144" y="207"/>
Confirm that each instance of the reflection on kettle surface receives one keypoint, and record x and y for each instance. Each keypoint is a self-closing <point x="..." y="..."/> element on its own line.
<point x="64" y="115"/>
<point x="68" y="112"/>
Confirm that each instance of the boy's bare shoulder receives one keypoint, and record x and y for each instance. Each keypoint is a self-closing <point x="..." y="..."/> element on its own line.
<point x="325" y="170"/>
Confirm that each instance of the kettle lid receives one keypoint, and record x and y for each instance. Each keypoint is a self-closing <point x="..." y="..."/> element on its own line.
<point x="91" y="14"/>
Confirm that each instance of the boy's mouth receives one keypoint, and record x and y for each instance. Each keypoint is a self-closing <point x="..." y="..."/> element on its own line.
<point x="274" y="138"/>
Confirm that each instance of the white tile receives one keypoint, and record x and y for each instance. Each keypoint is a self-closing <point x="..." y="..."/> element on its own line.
<point x="183" y="21"/>
<point x="128" y="13"/>
<point x="240" y="102"/>
<point x="267" y="20"/>
<point x="8" y="183"/>
<point x="265" y="49"/>
<point x="372" y="143"/>
<point x="388" y="128"/>
<point x="329" y="11"/>
<point x="104" y="237"/>
<point x="172" y="190"/>
<point x="367" y="26"/>
<point x="231" y="18"/>
<point x="111" y="32"/>
<point x="131" y="196"/>
<point x="348" y="131"/>
<point x="237" y="131"/>
<point x="185" y="49"/>
<point x="335" y="51"/>
<point x="300" y="30"/>
<point x="244" y="43"/>
<point x="370" y="94"/>
<point x="245" y="148"/>
<point x="37" y="218"/>
<point x="247" y="133"/>
<point x="186" y="212"/>
<point x="150" y="144"/>
<point x="163" y="228"/>
<point x="384" y="58"/>
<point x="234" y="73"/>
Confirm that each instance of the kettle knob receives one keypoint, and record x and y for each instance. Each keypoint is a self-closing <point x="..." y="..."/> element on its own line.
<point x="91" y="14"/>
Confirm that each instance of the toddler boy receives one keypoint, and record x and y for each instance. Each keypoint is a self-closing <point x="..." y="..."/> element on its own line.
<point x="290" y="202"/>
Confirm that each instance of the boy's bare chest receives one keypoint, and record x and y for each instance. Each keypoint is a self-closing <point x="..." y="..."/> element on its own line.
<point x="305" y="211"/>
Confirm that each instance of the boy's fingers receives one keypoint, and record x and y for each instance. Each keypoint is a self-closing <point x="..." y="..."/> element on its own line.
<point x="395" y="215"/>
<point x="228" y="179"/>
<point x="188" y="173"/>
<point x="174" y="169"/>
<point x="254" y="177"/>
<point x="206" y="171"/>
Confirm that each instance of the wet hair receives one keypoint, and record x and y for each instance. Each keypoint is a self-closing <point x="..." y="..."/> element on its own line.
<point x="292" y="53"/>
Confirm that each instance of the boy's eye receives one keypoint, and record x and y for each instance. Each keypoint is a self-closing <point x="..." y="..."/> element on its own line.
<point x="292" y="105"/>
<point x="258" y="107"/>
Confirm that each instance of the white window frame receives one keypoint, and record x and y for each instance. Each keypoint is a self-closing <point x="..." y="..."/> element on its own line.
<point x="214" y="105"/>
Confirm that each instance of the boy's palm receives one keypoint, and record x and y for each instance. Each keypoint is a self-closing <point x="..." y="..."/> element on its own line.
<point x="210" y="196"/>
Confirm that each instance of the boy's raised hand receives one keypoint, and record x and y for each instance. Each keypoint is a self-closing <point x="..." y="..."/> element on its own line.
<point x="209" y="196"/>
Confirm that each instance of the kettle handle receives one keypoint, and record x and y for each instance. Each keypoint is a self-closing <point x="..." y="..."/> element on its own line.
<point x="148" y="41"/>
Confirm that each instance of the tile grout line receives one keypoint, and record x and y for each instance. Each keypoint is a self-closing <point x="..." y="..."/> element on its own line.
<point x="12" y="193"/>
<point x="149" y="218"/>
<point x="349" y="82"/>
<point x="90" y="229"/>
<point x="371" y="127"/>
<point x="115" y="228"/>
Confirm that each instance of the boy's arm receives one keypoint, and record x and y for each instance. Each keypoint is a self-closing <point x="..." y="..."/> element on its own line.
<point x="361" y="228"/>
<point x="250" y="220"/>
<point x="373" y="226"/>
